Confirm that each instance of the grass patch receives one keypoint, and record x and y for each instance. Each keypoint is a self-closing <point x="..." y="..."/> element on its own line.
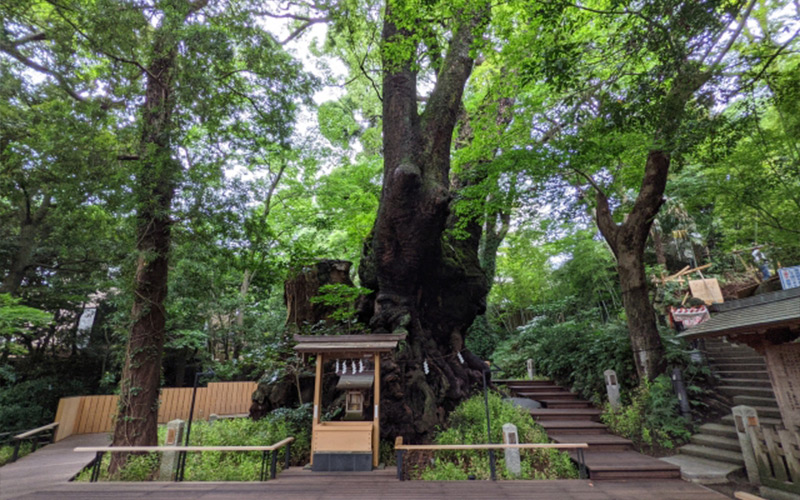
<point x="7" y="451"/>
<point x="468" y="426"/>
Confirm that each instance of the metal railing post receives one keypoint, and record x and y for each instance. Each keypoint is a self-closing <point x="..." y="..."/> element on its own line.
<point x="288" y="454"/>
<point x="15" y="455"/>
<point x="263" y="475"/>
<point x="98" y="459"/>
<point x="273" y="467"/>
<point x="581" y="465"/>
<point x="400" y="474"/>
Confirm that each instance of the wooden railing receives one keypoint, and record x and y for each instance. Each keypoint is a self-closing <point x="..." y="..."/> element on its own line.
<point x="777" y="454"/>
<point x="93" y="414"/>
<point x="265" y="450"/>
<point x="35" y="437"/>
<point x="401" y="449"/>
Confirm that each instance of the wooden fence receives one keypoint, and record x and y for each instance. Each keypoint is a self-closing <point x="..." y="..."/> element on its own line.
<point x="777" y="454"/>
<point x="91" y="414"/>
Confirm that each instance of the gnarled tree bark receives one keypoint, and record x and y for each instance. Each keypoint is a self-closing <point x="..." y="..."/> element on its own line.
<point x="427" y="284"/>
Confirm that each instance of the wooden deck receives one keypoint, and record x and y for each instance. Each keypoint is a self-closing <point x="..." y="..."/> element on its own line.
<point x="49" y="467"/>
<point x="302" y="484"/>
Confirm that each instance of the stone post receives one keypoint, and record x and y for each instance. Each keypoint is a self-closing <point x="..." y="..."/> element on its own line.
<point x="744" y="417"/>
<point x="612" y="388"/>
<point x="531" y="369"/>
<point x="169" y="459"/>
<point x="510" y="436"/>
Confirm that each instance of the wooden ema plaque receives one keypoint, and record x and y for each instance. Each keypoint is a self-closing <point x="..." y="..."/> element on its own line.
<point x="783" y="363"/>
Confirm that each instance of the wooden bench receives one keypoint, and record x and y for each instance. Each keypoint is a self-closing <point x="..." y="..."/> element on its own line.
<point x="271" y="449"/>
<point x="402" y="448"/>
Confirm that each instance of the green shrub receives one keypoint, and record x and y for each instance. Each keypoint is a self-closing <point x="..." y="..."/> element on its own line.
<point x="467" y="425"/>
<point x="7" y="451"/>
<point x="225" y="466"/>
<point x="651" y="418"/>
<point x="31" y="403"/>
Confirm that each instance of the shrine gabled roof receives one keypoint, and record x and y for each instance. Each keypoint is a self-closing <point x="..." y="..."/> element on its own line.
<point x="751" y="315"/>
<point x="347" y="345"/>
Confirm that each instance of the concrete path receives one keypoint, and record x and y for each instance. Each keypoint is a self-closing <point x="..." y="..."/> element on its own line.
<point x="49" y="467"/>
<point x="299" y="484"/>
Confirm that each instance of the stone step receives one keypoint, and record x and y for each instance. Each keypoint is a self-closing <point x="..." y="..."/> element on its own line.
<point x="728" y="431"/>
<point x="565" y="403"/>
<point x="723" y="443"/>
<point x="732" y="457"/>
<point x="566" y="414"/>
<point x="572" y="427"/>
<point x="735" y="390"/>
<point x="754" y="401"/>
<point x="768" y="411"/>
<point x="702" y="470"/>
<point x="732" y="374"/>
<point x="724" y="353"/>
<point x="747" y="382"/>
<point x="739" y="366"/>
<point x="728" y="419"/>
<point x="737" y="359"/>
<point x="596" y="442"/>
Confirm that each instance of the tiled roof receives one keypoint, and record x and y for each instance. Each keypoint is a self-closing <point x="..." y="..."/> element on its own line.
<point x="750" y="315"/>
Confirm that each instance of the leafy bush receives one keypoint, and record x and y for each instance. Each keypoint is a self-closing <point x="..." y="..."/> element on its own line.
<point x="224" y="466"/>
<point x="32" y="403"/>
<point x="467" y="425"/>
<point x="651" y="418"/>
<point x="575" y="352"/>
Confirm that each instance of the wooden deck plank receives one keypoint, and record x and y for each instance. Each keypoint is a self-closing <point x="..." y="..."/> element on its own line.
<point x="302" y="484"/>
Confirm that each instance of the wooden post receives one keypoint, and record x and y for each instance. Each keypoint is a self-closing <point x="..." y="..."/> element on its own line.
<point x="376" y="422"/>
<point x="317" y="402"/>
<point x="318" y="389"/>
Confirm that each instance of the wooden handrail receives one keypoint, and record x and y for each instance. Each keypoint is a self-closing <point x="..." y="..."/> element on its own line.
<point x="401" y="449"/>
<point x="265" y="451"/>
<point x="139" y="449"/>
<point x="434" y="447"/>
<point x="37" y="430"/>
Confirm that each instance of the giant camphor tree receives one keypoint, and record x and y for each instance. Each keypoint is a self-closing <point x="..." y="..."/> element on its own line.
<point x="426" y="283"/>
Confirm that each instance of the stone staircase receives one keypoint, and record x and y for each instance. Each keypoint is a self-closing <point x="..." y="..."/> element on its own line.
<point x="714" y="453"/>
<point x="567" y="419"/>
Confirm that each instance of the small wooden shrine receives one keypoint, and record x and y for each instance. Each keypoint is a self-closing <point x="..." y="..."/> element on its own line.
<point x="770" y="324"/>
<point x="353" y="443"/>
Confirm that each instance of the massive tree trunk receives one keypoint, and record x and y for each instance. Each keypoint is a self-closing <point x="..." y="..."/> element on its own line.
<point x="627" y="241"/>
<point x="158" y="175"/>
<point x="426" y="283"/>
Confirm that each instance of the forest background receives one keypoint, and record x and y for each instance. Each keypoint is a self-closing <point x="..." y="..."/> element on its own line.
<point x="227" y="146"/>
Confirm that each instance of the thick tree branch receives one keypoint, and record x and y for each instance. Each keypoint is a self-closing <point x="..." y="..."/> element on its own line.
<point x="440" y="115"/>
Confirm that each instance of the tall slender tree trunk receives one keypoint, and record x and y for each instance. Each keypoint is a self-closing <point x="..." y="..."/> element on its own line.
<point x="137" y="421"/>
<point x="427" y="285"/>
<point x="627" y="241"/>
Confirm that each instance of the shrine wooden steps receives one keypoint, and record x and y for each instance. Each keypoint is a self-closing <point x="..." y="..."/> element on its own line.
<point x="569" y="419"/>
